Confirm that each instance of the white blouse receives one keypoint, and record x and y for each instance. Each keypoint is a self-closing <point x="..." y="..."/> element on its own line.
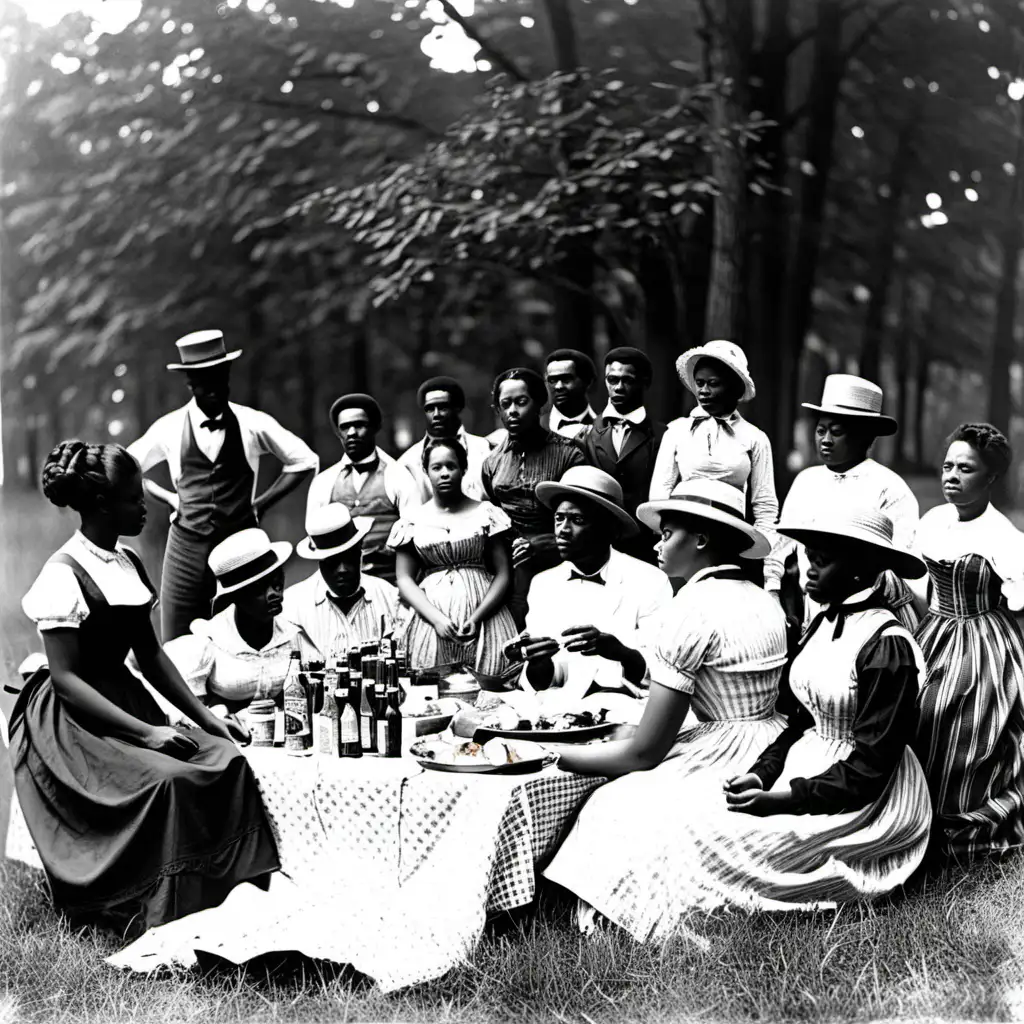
<point x="942" y="537"/>
<point x="216" y="662"/>
<point x="55" y="600"/>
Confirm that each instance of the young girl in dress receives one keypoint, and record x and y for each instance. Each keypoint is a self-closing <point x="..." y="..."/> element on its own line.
<point x="835" y="808"/>
<point x="971" y="736"/>
<point x="449" y="546"/>
<point x="136" y="823"/>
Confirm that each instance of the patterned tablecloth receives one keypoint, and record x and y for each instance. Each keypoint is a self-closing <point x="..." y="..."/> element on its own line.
<point x="385" y="866"/>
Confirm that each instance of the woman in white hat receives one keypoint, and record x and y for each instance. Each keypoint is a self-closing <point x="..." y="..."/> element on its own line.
<point x="454" y="570"/>
<point x="718" y="649"/>
<point x="834" y="809"/>
<point x="241" y="653"/>
<point x="716" y="442"/>
<point x="849" y="419"/>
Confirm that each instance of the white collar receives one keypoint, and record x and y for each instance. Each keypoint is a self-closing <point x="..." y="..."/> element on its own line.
<point x="569" y="568"/>
<point x="221" y="629"/>
<point x="851" y="473"/>
<point x="564" y="421"/>
<point x="704" y="573"/>
<point x="377" y="454"/>
<point x="94" y="549"/>
<point x="700" y="413"/>
<point x="861" y="595"/>
<point x="198" y="417"/>
<point x="636" y="417"/>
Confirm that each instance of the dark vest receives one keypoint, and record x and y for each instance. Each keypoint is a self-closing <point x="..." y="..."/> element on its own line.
<point x="371" y="500"/>
<point x="215" y="498"/>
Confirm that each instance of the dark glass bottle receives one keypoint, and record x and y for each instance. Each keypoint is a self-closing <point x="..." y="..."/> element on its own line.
<point x="389" y="730"/>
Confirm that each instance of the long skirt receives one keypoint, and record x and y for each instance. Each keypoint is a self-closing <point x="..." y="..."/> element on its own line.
<point x="129" y="837"/>
<point x="655" y="847"/>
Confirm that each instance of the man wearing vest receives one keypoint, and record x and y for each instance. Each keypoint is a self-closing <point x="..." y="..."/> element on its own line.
<point x="212" y="448"/>
<point x="366" y="480"/>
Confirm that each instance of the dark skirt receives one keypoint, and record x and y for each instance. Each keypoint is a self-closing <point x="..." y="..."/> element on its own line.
<point x="131" y="838"/>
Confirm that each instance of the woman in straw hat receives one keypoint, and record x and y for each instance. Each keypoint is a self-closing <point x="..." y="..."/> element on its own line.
<point x="849" y="419"/>
<point x="444" y="551"/>
<point x="240" y="654"/>
<point x="971" y="737"/>
<point x="834" y="809"/>
<point x="136" y="822"/>
<point x="716" y="442"/>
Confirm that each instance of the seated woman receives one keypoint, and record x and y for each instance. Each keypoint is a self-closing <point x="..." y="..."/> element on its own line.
<point x="447" y="545"/>
<point x="834" y="809"/>
<point x="242" y="653"/>
<point x="971" y="734"/>
<point x="136" y="823"/>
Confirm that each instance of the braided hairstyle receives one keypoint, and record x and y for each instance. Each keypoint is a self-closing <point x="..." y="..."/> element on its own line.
<point x="991" y="445"/>
<point x="452" y="444"/>
<point x="77" y="475"/>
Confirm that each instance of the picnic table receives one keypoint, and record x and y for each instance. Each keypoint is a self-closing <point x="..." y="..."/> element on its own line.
<point x="384" y="865"/>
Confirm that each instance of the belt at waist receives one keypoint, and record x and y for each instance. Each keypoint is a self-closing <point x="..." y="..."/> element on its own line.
<point x="432" y="570"/>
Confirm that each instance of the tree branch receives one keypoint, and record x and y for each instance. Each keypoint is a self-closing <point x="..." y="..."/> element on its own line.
<point x="798" y="40"/>
<point x="505" y="63"/>
<point x="870" y="29"/>
<point x="395" y="120"/>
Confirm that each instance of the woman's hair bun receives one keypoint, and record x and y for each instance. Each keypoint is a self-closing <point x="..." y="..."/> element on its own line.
<point x="62" y="484"/>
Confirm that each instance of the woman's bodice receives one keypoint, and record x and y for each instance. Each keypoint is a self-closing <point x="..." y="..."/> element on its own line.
<point x="457" y="548"/>
<point x="964" y="587"/>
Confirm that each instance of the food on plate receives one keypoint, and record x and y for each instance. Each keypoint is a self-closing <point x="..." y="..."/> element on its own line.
<point x="506" y="719"/>
<point x="497" y="752"/>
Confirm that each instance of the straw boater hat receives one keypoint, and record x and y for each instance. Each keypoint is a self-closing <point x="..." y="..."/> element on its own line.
<point x="594" y="485"/>
<point x="726" y="353"/>
<point x="245" y="557"/>
<point x="864" y="526"/>
<point x="714" y="500"/>
<point x="201" y="350"/>
<point x="332" y="530"/>
<point x="856" y="398"/>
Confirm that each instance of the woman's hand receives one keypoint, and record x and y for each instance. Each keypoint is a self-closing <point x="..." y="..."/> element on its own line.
<point x="468" y="631"/>
<point x="539" y="648"/>
<point x="521" y="552"/>
<point x="237" y="732"/>
<point x="167" y="740"/>
<point x="445" y="628"/>
<point x="745" y="794"/>
<point x="742" y="783"/>
<point x="590" y="641"/>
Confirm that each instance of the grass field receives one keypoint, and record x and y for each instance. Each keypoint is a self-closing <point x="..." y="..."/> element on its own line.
<point x="950" y="948"/>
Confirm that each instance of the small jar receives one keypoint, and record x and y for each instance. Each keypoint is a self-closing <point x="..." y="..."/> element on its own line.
<point x="259" y="716"/>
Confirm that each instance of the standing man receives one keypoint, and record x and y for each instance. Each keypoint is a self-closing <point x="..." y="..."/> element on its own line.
<point x="624" y="441"/>
<point x="212" y="448"/>
<point x="366" y="480"/>
<point x="442" y="401"/>
<point x="569" y="375"/>
<point x="339" y="606"/>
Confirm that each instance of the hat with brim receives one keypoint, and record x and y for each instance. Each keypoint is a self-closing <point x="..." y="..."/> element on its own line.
<point x="594" y="485"/>
<point x="724" y="352"/>
<point x="245" y="557"/>
<point x="855" y="398"/>
<point x="201" y="350"/>
<point x="713" y="500"/>
<point x="332" y="531"/>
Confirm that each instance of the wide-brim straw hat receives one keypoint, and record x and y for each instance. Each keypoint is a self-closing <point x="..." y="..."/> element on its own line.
<point x="725" y="352"/>
<point x="245" y="557"/>
<point x="332" y="530"/>
<point x="594" y="485"/>
<point x="857" y="398"/>
<point x="713" y="500"/>
<point x="867" y="527"/>
<point x="201" y="350"/>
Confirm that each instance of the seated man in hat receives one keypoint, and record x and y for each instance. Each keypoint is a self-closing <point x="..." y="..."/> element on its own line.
<point x="442" y="401"/>
<point x="366" y="480"/>
<point x="584" y="618"/>
<point x="624" y="440"/>
<point x="569" y="375"/>
<point x="212" y="448"/>
<point x="338" y="606"/>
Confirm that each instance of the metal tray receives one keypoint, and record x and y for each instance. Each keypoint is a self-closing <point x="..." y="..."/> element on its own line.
<point x="534" y="764"/>
<point x="579" y="735"/>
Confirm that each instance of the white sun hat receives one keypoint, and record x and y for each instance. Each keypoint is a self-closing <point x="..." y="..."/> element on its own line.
<point x="725" y="352"/>
<point x="202" y="349"/>
<point x="855" y="397"/>
<point x="245" y="557"/>
<point x="332" y="530"/>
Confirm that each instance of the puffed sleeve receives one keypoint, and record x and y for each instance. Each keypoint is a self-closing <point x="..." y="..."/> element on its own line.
<point x="401" y="534"/>
<point x="666" y="470"/>
<point x="674" y="656"/>
<point x="1008" y="561"/>
<point x="193" y="657"/>
<point x="497" y="519"/>
<point x="886" y="722"/>
<point x="55" y="600"/>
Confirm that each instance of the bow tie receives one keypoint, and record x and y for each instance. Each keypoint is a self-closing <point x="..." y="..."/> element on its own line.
<point x="596" y="578"/>
<point x="837" y="613"/>
<point x="214" y="424"/>
<point x="346" y="604"/>
<point x="363" y="467"/>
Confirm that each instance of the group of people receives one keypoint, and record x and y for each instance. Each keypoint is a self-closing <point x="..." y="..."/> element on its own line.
<point x="787" y="754"/>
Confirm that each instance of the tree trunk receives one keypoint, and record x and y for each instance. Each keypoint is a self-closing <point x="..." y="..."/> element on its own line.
<point x="904" y="347"/>
<point x="727" y="27"/>
<point x="663" y="328"/>
<point x="924" y="365"/>
<point x="257" y="336"/>
<point x="563" y="34"/>
<point x="890" y="215"/>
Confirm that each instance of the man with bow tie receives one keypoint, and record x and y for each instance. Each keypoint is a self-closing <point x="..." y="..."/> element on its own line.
<point x="624" y="440"/>
<point x="585" y="614"/>
<point x="569" y="375"/>
<point x="366" y="480"/>
<point x="338" y="606"/>
<point x="212" y="449"/>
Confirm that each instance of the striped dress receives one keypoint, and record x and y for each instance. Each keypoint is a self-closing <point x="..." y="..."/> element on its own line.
<point x="455" y="580"/>
<point x="680" y="851"/>
<point x="971" y="734"/>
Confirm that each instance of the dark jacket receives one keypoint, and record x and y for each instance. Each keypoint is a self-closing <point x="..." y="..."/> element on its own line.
<point x="633" y="469"/>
